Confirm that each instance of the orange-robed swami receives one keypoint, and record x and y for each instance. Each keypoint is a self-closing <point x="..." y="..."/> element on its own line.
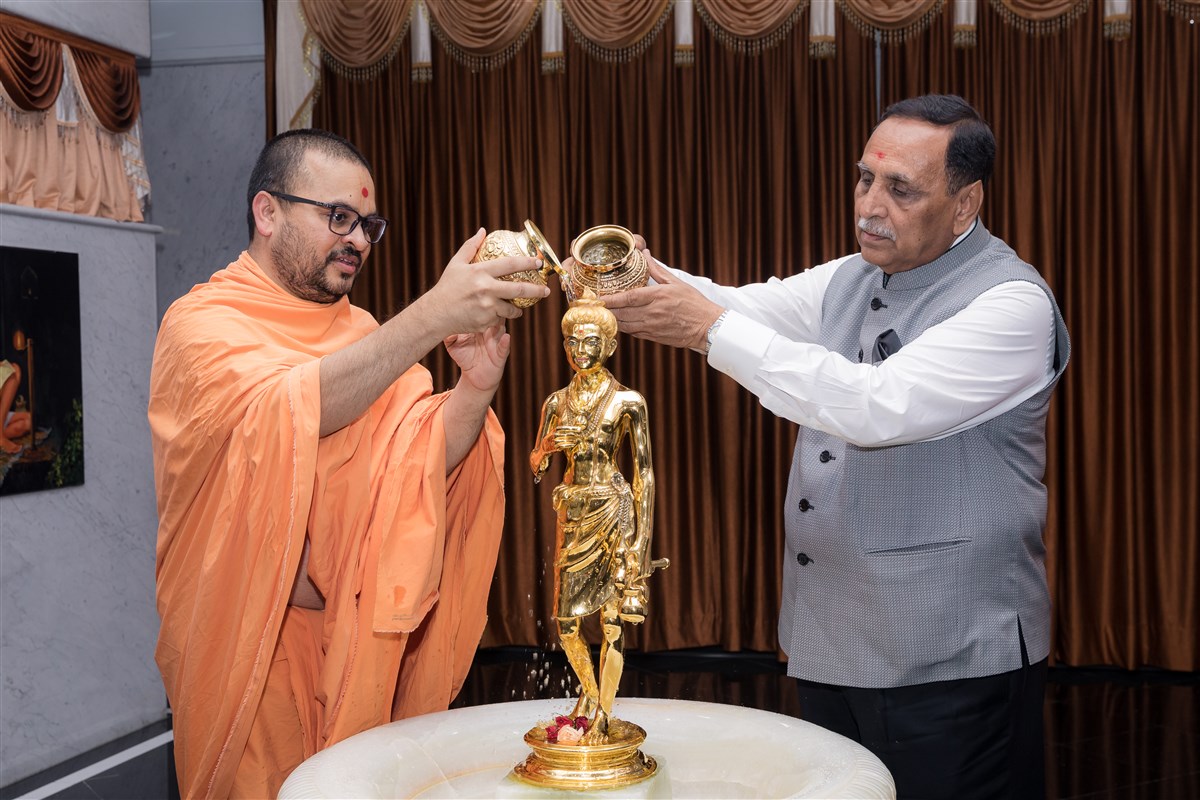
<point x="402" y="552"/>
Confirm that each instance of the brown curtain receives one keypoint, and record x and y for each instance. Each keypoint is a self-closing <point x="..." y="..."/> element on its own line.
<point x="709" y="163"/>
<point x="483" y="35"/>
<point x="749" y="19"/>
<point x="358" y="34"/>
<point x="892" y="20"/>
<point x="615" y="29"/>
<point x="1040" y="16"/>
<point x="31" y="70"/>
<point x="31" y="66"/>
<point x="742" y="168"/>
<point x="111" y="87"/>
<point x="89" y="161"/>
<point x="749" y="26"/>
<point x="270" y="16"/>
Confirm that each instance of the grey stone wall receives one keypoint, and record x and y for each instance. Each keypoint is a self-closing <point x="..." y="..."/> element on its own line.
<point x="202" y="127"/>
<point x="77" y="616"/>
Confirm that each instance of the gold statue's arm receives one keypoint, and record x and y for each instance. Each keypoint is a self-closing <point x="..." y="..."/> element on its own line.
<point x="637" y="565"/>
<point x="539" y="458"/>
<point x="643" y="478"/>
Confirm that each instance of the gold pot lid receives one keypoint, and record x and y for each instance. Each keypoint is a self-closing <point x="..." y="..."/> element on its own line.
<point x="543" y="247"/>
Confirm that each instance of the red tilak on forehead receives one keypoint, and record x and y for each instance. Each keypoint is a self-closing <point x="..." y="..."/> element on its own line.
<point x="878" y="154"/>
<point x="365" y="192"/>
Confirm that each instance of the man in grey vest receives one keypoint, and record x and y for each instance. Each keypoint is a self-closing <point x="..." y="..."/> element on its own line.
<point x="915" y="609"/>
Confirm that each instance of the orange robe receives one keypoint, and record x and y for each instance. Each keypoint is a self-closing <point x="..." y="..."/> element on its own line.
<point x="402" y="552"/>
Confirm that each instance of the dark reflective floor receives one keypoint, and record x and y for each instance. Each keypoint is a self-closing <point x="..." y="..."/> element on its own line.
<point x="1109" y="733"/>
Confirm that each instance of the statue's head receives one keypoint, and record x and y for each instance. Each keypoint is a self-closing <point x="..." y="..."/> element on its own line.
<point x="589" y="333"/>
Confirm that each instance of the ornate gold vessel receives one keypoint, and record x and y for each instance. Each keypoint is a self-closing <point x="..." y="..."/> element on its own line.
<point x="606" y="261"/>
<point x="616" y="763"/>
<point x="528" y="242"/>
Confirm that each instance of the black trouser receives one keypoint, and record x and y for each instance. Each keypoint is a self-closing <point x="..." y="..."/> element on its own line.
<point x="970" y="738"/>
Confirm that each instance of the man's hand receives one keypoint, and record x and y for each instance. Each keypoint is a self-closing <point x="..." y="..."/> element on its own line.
<point x="667" y="311"/>
<point x="469" y="298"/>
<point x="481" y="357"/>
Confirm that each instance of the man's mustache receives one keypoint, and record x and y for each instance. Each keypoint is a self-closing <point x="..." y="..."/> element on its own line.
<point x="346" y="252"/>
<point x="875" y="228"/>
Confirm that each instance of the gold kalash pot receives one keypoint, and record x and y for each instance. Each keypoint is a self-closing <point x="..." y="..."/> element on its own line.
<point x="527" y="242"/>
<point x="607" y="261"/>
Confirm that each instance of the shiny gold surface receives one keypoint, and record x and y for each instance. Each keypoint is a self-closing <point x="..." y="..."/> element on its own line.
<point x="604" y="529"/>
<point x="607" y="261"/>
<point x="527" y="242"/>
<point x="616" y="763"/>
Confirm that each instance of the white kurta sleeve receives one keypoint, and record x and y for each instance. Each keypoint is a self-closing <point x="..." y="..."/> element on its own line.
<point x="987" y="359"/>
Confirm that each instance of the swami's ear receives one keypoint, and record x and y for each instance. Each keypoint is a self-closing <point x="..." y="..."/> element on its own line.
<point x="970" y="200"/>
<point x="265" y="213"/>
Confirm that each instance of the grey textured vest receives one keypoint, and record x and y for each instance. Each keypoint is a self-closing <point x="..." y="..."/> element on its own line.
<point x="921" y="562"/>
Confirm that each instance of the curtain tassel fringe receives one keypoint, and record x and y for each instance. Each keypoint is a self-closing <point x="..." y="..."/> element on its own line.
<point x="1118" y="28"/>
<point x="822" y="47"/>
<point x="554" y="63"/>
<point x="1041" y="27"/>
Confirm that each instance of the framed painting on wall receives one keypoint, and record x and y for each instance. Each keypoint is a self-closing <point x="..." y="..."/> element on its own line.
<point x="41" y="371"/>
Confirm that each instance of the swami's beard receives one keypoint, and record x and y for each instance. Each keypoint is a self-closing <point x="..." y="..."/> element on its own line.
<point x="314" y="282"/>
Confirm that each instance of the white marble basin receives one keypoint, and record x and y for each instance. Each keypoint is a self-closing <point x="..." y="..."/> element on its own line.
<point x="703" y="750"/>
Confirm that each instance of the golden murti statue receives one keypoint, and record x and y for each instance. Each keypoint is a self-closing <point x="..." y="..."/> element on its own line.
<point x="603" y="533"/>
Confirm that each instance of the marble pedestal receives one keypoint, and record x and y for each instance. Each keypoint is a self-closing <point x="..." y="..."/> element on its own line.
<point x="704" y="750"/>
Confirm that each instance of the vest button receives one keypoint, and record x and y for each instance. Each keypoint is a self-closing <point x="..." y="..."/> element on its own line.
<point x="877" y="304"/>
<point x="860" y="355"/>
<point x="803" y="559"/>
<point x="826" y="457"/>
<point x="805" y="505"/>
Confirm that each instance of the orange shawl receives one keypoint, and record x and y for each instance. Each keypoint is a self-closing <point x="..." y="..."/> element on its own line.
<point x="242" y="476"/>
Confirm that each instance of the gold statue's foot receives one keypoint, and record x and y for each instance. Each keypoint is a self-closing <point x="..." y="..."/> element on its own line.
<point x="597" y="731"/>
<point x="594" y="736"/>
<point x="586" y="706"/>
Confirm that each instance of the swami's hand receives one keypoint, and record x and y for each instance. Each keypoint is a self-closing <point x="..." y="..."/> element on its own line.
<point x="481" y="357"/>
<point x="667" y="311"/>
<point x="469" y="298"/>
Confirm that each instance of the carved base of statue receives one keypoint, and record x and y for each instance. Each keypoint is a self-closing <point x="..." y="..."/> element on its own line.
<point x="616" y="763"/>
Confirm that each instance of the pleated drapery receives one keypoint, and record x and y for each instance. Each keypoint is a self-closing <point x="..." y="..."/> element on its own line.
<point x="358" y="37"/>
<point x="742" y="167"/>
<point x="483" y="34"/>
<point x="615" y="30"/>
<point x="892" y="21"/>
<point x="69" y="111"/>
<point x="111" y="87"/>
<point x="30" y="65"/>
<point x="1040" y="16"/>
<point x="749" y="26"/>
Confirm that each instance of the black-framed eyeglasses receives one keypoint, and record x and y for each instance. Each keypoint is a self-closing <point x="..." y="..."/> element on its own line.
<point x="342" y="220"/>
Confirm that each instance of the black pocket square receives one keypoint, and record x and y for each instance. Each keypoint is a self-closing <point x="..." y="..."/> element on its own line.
<point x="886" y="344"/>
